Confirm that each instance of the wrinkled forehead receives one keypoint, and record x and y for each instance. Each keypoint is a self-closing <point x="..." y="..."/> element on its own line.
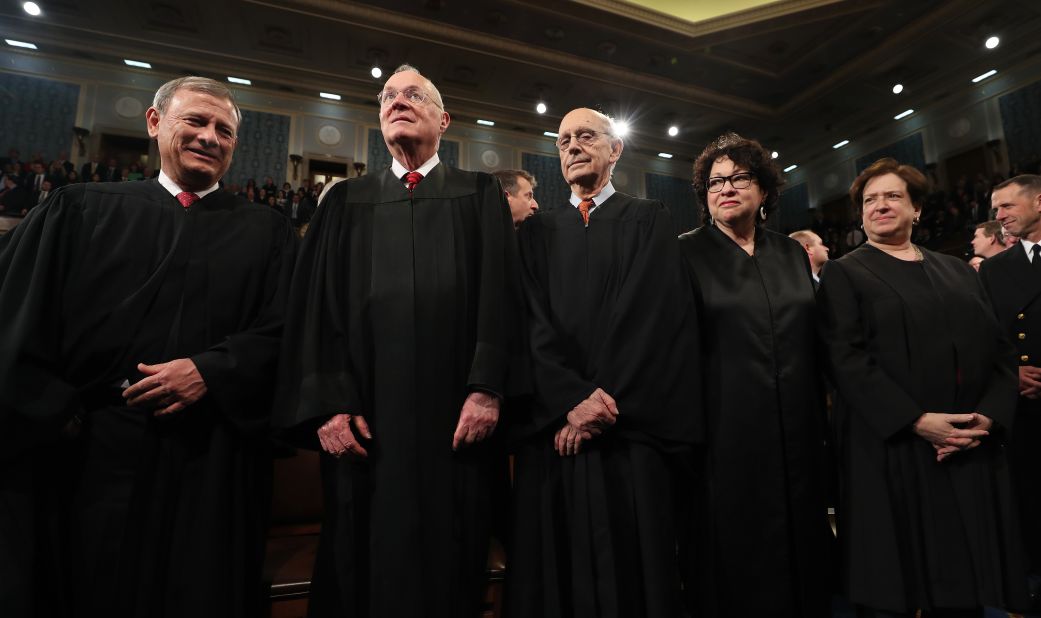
<point x="579" y="119"/>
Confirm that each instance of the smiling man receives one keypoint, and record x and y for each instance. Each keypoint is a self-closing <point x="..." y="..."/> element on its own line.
<point x="1013" y="281"/>
<point x="394" y="366"/>
<point x="141" y="333"/>
<point x="616" y="406"/>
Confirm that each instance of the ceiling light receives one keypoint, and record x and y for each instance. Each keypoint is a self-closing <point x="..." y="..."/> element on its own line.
<point x="898" y="88"/>
<point x="840" y="144"/>
<point x="550" y="134"/>
<point x="541" y="107"/>
<point x="674" y="131"/>
<point x="992" y="42"/>
<point x="774" y="155"/>
<point x="980" y="78"/>
<point x="239" y="80"/>
<point x="621" y="128"/>
<point x="903" y="114"/>
<point x="14" y="43"/>
<point x="487" y="123"/>
<point x="790" y="168"/>
<point x="376" y="72"/>
<point x="137" y="63"/>
<point x="32" y="8"/>
<point x="664" y="155"/>
<point x="329" y="95"/>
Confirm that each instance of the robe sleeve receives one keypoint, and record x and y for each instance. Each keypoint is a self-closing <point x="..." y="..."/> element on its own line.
<point x="239" y="371"/>
<point x="999" y="399"/>
<point x="497" y="366"/>
<point x="558" y="385"/>
<point x="317" y="376"/>
<point x="856" y="373"/>
<point x="36" y="401"/>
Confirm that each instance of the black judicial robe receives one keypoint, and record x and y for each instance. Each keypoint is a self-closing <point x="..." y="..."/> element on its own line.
<point x="137" y="516"/>
<point x="595" y="533"/>
<point x="904" y="338"/>
<point x="399" y="309"/>
<point x="768" y="543"/>
<point x="1014" y="288"/>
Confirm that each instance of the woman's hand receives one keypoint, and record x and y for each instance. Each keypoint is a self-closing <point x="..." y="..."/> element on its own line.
<point x="950" y="433"/>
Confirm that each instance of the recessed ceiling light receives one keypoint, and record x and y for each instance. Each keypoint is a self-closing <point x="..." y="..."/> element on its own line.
<point x="550" y="134"/>
<point x="674" y="131"/>
<point x="14" y="43"/>
<point x="137" y="63"/>
<point x="376" y="72"/>
<point x="664" y="155"/>
<point x="903" y="114"/>
<point x="239" y="80"/>
<point x="980" y="78"/>
<point x="329" y="95"/>
<point x="621" y="128"/>
<point x="790" y="168"/>
<point x="898" y="88"/>
<point x="840" y="144"/>
<point x="487" y="123"/>
<point x="992" y="42"/>
<point x="541" y="107"/>
<point x="32" y="8"/>
<point x="774" y="155"/>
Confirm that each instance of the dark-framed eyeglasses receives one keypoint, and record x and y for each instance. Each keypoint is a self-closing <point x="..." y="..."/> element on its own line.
<point x="412" y="94"/>
<point x="740" y="180"/>
<point x="585" y="137"/>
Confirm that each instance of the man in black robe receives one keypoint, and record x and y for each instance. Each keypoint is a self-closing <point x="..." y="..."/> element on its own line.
<point x="616" y="411"/>
<point x="1013" y="282"/>
<point x="140" y="340"/>
<point x="394" y="364"/>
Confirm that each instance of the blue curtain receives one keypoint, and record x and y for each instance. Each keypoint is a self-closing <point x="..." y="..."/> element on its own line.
<point x="378" y="158"/>
<point x="909" y="150"/>
<point x="38" y="116"/>
<point x="678" y="196"/>
<point x="552" y="191"/>
<point x="262" y="150"/>
<point x="793" y="208"/>
<point x="1021" y="119"/>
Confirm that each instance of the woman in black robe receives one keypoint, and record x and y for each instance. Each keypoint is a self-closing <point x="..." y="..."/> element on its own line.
<point x="926" y="392"/>
<point x="762" y="540"/>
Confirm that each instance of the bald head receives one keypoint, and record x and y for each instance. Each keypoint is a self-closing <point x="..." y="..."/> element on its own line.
<point x="589" y="149"/>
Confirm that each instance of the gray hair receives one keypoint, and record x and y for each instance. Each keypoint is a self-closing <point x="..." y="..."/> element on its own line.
<point x="434" y="91"/>
<point x="194" y="83"/>
<point x="508" y="179"/>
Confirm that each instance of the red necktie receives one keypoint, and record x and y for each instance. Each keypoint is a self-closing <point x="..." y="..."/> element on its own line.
<point x="583" y="208"/>
<point x="187" y="199"/>
<point x="412" y="179"/>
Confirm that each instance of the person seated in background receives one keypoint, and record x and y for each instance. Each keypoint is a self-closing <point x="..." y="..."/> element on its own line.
<point x="15" y="200"/>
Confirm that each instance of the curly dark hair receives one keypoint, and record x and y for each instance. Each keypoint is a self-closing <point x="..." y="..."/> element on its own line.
<point x="745" y="153"/>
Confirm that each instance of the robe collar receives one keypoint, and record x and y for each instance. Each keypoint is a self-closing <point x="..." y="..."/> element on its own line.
<point x="400" y="170"/>
<point x="173" y="189"/>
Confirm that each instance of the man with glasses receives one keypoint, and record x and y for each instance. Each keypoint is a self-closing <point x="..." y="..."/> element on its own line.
<point x="616" y="408"/>
<point x="394" y="365"/>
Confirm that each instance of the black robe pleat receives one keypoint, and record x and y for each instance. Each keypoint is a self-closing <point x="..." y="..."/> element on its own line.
<point x="117" y="512"/>
<point x="764" y="540"/>
<point x="594" y="534"/>
<point x="400" y="307"/>
<point x="905" y="338"/>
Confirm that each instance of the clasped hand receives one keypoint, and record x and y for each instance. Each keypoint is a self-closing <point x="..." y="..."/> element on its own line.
<point x="585" y="421"/>
<point x="167" y="387"/>
<point x="951" y="433"/>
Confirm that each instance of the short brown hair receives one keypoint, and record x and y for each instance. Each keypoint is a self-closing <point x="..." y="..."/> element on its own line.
<point x="1023" y="181"/>
<point x="746" y="153"/>
<point x="993" y="229"/>
<point x="917" y="185"/>
<point x="508" y="179"/>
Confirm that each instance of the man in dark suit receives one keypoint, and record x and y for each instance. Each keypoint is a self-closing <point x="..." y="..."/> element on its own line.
<point x="14" y="199"/>
<point x="90" y="168"/>
<point x="815" y="249"/>
<point x="1013" y="280"/>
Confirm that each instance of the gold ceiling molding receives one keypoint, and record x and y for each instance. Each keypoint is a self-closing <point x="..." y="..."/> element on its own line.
<point x="726" y="20"/>
<point x="381" y="20"/>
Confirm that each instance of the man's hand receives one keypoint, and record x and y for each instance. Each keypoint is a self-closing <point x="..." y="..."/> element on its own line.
<point x="594" y="414"/>
<point x="1030" y="381"/>
<point x="167" y="387"/>
<point x="338" y="439"/>
<point x="568" y="440"/>
<point x="942" y="432"/>
<point x="477" y="419"/>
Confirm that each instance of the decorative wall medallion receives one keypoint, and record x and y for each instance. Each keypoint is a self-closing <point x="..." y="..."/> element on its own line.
<point x="959" y="128"/>
<point x="129" y="107"/>
<point x="329" y="135"/>
<point x="490" y="158"/>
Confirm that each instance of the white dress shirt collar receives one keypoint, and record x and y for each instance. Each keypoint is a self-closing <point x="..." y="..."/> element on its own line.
<point x="172" y="187"/>
<point x="400" y="170"/>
